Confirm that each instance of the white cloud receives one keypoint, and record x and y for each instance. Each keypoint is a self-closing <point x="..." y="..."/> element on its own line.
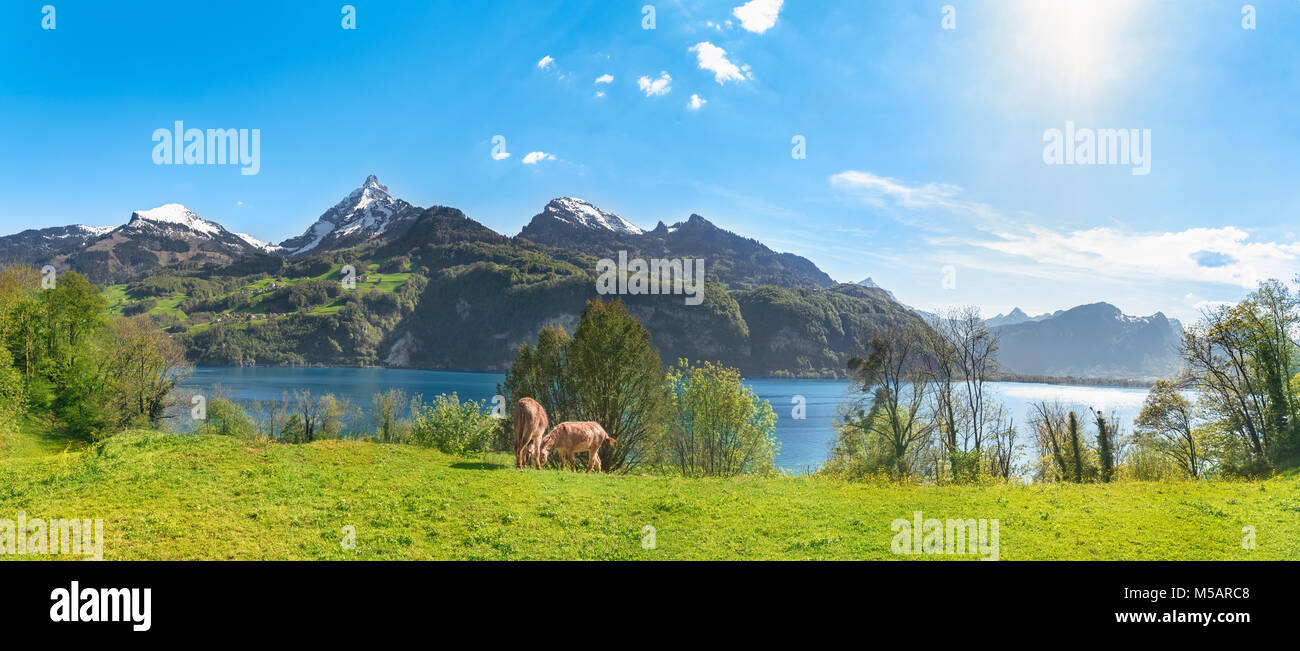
<point x="1218" y="255"/>
<point x="545" y="62"/>
<point x="500" y="155"/>
<point x="758" y="16"/>
<point x="1210" y="306"/>
<point x="879" y="190"/>
<point x="1224" y="255"/>
<point x="696" y="102"/>
<point x="714" y="59"/>
<point x="600" y="93"/>
<point x="660" y="86"/>
<point x="536" y="157"/>
<point x="605" y="78"/>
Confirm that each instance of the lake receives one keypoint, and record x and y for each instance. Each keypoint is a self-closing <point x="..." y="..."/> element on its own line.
<point x="804" y="442"/>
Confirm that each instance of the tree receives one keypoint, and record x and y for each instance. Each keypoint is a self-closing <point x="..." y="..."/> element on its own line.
<point x="145" y="364"/>
<point x="1105" y="446"/>
<point x="74" y="310"/>
<point x="976" y="349"/>
<point x="891" y="371"/>
<point x="609" y="372"/>
<point x="1167" y="420"/>
<point x="1002" y="449"/>
<point x="618" y="381"/>
<point x="719" y="427"/>
<point x="389" y="405"/>
<point x="1272" y="318"/>
<point x="1048" y="420"/>
<point x="960" y="358"/>
<point x="1240" y="361"/>
<point x="541" y="372"/>
<point x="1076" y="451"/>
<point x="19" y="286"/>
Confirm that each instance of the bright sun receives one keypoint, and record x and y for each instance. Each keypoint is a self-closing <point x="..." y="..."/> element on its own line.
<point x="1084" y="45"/>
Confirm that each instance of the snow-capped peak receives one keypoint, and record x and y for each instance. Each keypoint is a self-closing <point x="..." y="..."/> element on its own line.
<point x="581" y="213"/>
<point x="366" y="212"/>
<point x="256" y="243"/>
<point x="176" y="214"/>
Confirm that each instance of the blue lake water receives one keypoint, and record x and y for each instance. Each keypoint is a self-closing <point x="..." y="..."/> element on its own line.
<point x="804" y="442"/>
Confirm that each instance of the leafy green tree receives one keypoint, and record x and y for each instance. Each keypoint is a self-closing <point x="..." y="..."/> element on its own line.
<point x="1167" y="421"/>
<point x="144" y="366"/>
<point x="892" y="373"/>
<point x="11" y="393"/>
<point x="1241" y="360"/>
<point x="609" y="372"/>
<point x="541" y="372"/>
<point x="719" y="427"/>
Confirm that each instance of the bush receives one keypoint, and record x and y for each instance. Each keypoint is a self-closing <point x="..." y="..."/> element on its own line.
<point x="455" y="427"/>
<point x="225" y="418"/>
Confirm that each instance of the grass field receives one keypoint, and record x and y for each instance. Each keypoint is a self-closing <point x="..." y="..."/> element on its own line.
<point x="170" y="497"/>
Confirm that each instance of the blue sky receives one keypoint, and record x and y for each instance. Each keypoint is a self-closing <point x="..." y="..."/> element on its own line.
<point x="924" y="145"/>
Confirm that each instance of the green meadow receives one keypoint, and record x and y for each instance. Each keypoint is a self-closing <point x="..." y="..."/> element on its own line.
<point x="171" y="497"/>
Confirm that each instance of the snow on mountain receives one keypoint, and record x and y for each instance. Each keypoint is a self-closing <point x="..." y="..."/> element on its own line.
<point x="578" y="212"/>
<point x="868" y="282"/>
<point x="256" y="243"/>
<point x="366" y="212"/>
<point x="93" y="231"/>
<point x="171" y="215"/>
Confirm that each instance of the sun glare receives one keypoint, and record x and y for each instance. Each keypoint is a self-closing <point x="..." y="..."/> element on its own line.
<point x="1080" y="46"/>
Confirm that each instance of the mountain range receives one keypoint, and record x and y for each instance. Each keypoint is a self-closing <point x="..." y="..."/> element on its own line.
<point x="1096" y="340"/>
<point x="464" y="296"/>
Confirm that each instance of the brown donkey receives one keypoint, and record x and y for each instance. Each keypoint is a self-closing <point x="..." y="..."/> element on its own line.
<point x="530" y="424"/>
<point x="568" y="439"/>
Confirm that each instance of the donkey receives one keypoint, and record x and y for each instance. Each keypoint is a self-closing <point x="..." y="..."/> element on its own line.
<point x="568" y="439"/>
<point x="530" y="424"/>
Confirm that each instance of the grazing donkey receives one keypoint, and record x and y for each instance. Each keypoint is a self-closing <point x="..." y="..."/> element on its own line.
<point x="530" y="424"/>
<point x="568" y="439"/>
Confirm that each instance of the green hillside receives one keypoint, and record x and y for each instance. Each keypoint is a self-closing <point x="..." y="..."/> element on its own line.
<point x="451" y="293"/>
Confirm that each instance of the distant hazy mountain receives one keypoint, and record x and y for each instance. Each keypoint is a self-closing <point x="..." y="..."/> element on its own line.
<point x="740" y="262"/>
<point x="366" y="213"/>
<point x="1096" y="340"/>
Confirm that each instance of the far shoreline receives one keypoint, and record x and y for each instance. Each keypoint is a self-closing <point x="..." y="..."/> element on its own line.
<point x="1115" y="383"/>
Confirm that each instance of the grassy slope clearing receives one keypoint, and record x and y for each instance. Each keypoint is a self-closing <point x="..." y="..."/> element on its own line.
<point x="180" y="497"/>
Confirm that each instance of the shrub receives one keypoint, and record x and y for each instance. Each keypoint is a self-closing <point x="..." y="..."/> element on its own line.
<point x="455" y="427"/>
<point x="225" y="418"/>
